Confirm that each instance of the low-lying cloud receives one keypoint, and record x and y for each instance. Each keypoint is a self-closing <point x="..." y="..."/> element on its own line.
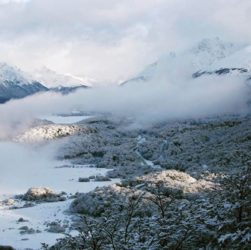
<point x="23" y="165"/>
<point x="144" y="103"/>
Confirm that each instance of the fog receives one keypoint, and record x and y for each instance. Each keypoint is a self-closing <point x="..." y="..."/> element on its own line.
<point x="23" y="166"/>
<point x="144" y="103"/>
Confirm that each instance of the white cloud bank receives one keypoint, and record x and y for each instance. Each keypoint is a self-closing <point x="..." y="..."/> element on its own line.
<point x="144" y="104"/>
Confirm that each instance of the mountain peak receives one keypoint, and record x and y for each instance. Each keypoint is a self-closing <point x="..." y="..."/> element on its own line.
<point x="210" y="50"/>
<point x="52" y="78"/>
<point x="208" y="55"/>
<point x="10" y="73"/>
<point x="14" y="83"/>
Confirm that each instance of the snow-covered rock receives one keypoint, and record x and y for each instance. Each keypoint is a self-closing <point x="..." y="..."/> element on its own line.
<point x="67" y="90"/>
<point x="221" y="71"/>
<point x="50" y="132"/>
<point x="175" y="180"/>
<point x="42" y="194"/>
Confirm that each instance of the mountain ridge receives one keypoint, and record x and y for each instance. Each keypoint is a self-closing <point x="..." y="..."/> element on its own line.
<point x="209" y="55"/>
<point x="16" y="84"/>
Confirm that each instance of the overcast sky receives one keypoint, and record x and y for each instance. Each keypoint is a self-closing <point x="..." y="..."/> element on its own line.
<point x="111" y="40"/>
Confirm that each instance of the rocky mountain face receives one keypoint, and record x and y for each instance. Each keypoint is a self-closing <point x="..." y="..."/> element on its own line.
<point x="64" y="90"/>
<point x="221" y="71"/>
<point x="16" y="84"/>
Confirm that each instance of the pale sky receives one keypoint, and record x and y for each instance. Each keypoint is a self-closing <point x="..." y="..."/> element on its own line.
<point x="112" y="40"/>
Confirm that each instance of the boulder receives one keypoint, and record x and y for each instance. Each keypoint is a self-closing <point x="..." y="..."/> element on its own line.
<point x="83" y="179"/>
<point x="39" y="194"/>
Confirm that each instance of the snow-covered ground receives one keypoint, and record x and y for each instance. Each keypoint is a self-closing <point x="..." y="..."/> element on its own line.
<point x="24" y="166"/>
<point x="34" y="166"/>
<point x="36" y="217"/>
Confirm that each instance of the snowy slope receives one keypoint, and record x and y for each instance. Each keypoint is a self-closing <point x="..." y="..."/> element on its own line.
<point x="16" y="84"/>
<point x="207" y="55"/>
<point x="241" y="59"/>
<point x="210" y="51"/>
<point x="53" y="79"/>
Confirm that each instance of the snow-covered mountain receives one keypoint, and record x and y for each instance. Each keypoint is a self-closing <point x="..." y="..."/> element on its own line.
<point x="209" y="51"/>
<point x="16" y="84"/>
<point x="53" y="79"/>
<point x="208" y="57"/>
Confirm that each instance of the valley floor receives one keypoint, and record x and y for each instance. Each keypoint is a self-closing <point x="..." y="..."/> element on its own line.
<point x="180" y="185"/>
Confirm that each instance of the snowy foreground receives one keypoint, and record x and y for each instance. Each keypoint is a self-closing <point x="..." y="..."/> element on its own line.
<point x="171" y="185"/>
<point x="40" y="215"/>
